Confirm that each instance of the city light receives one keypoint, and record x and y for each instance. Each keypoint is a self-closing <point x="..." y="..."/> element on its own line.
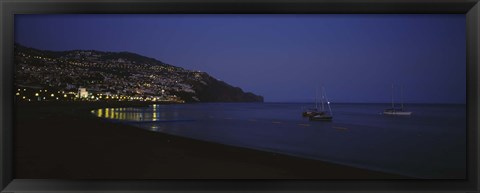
<point x="85" y="95"/>
<point x="155" y="88"/>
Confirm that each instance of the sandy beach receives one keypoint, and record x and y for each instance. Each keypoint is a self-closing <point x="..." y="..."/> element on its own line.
<point x="64" y="140"/>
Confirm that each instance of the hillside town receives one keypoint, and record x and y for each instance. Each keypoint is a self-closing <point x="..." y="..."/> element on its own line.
<point x="94" y="76"/>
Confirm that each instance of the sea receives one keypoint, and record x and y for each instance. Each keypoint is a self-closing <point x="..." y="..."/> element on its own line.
<point x="429" y="144"/>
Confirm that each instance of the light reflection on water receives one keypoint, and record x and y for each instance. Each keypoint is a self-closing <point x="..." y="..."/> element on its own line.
<point x="428" y="144"/>
<point x="132" y="114"/>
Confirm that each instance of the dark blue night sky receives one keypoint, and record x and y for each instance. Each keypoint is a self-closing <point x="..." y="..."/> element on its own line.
<point x="283" y="57"/>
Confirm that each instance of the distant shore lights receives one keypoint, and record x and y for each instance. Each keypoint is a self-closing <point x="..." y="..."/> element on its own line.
<point x="82" y="94"/>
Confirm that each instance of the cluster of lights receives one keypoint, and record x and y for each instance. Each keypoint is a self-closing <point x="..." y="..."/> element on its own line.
<point x="40" y="95"/>
<point x="44" y="95"/>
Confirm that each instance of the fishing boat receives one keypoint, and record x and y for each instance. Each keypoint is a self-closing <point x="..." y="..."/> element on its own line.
<point x="322" y="115"/>
<point x="397" y="111"/>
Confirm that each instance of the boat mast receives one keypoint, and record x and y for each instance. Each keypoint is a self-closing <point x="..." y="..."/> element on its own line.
<point x="401" y="95"/>
<point x="323" y="98"/>
<point x="328" y="103"/>
<point x="393" y="106"/>
<point x="316" y="98"/>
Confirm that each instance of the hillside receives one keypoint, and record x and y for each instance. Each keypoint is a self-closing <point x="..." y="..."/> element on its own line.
<point x="120" y="74"/>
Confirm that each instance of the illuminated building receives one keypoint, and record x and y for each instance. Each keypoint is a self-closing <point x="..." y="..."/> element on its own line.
<point x="82" y="93"/>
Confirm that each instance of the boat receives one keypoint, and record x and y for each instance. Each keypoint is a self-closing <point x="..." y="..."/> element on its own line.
<point x="397" y="111"/>
<point x="322" y="115"/>
<point x="312" y="111"/>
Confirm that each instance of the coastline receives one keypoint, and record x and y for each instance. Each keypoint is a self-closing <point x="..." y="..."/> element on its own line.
<point x="77" y="145"/>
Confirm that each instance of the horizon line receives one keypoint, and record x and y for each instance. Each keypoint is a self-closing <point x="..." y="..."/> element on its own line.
<point x="297" y="102"/>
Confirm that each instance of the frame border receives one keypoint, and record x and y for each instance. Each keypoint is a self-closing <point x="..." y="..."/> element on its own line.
<point x="8" y="8"/>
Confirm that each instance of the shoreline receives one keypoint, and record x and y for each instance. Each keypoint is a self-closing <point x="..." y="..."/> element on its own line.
<point x="71" y="143"/>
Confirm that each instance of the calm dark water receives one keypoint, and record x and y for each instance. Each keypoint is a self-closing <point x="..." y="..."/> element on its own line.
<point x="431" y="143"/>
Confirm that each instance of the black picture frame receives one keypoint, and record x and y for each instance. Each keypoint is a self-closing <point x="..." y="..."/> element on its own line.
<point x="8" y="8"/>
